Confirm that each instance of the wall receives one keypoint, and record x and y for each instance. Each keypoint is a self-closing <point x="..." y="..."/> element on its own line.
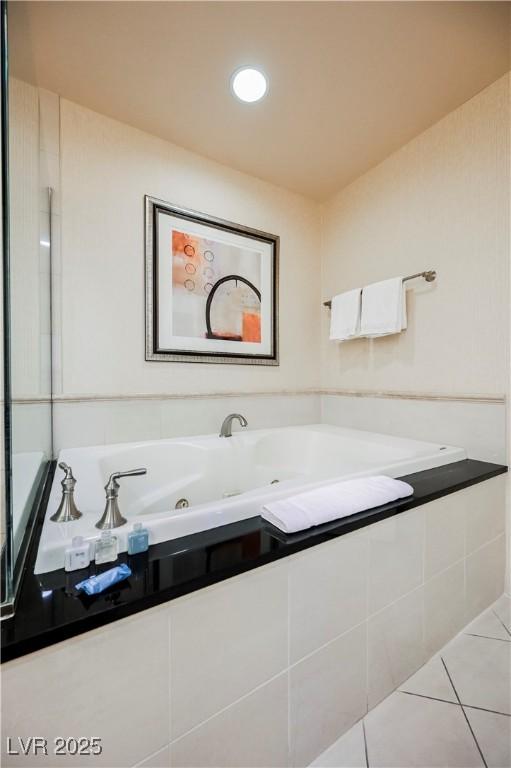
<point x="106" y="169"/>
<point x="271" y="667"/>
<point x="440" y="202"/>
<point x="477" y="424"/>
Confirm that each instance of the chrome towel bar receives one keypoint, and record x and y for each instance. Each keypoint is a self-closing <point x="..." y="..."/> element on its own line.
<point x="429" y="275"/>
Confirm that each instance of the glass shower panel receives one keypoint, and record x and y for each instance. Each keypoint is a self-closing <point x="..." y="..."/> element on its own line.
<point x="28" y="276"/>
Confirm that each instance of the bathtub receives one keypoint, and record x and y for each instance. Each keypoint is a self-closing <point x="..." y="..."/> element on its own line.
<point x="221" y="479"/>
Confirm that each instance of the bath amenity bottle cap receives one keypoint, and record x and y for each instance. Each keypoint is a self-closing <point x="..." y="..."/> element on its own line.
<point x="137" y="526"/>
<point x="77" y="541"/>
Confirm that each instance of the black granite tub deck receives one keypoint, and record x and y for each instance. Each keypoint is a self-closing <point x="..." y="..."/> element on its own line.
<point x="49" y="609"/>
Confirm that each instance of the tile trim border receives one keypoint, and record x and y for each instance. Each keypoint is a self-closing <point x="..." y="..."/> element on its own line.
<point x="491" y="399"/>
<point x="434" y="396"/>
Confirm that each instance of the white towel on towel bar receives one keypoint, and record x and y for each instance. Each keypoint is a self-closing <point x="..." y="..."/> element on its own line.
<point x="345" y="316"/>
<point x="383" y="308"/>
<point x="330" y="502"/>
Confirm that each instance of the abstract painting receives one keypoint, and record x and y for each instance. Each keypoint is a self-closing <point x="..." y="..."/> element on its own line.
<point x="211" y="288"/>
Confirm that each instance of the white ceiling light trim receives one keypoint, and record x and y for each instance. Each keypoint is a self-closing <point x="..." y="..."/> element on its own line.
<point x="249" y="84"/>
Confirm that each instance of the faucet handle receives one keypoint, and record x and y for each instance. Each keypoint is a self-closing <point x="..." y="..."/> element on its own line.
<point x="67" y="509"/>
<point x="113" y="484"/>
<point x="67" y="469"/>
<point x="68" y="482"/>
<point x="112" y="517"/>
<point x="127" y="473"/>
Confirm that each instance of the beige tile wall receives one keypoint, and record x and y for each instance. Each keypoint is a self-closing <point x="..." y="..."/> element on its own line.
<point x="271" y="667"/>
<point x="439" y="202"/>
<point x="476" y="425"/>
<point x="96" y="422"/>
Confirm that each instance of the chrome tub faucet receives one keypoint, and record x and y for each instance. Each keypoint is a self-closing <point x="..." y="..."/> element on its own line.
<point x="112" y="517"/>
<point x="226" y="429"/>
<point x="67" y="510"/>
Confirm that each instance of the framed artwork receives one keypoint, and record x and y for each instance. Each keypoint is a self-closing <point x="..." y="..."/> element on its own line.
<point x="211" y="289"/>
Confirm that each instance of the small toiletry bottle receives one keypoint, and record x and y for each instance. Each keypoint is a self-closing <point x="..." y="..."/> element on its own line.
<point x="106" y="548"/>
<point x="77" y="555"/>
<point x="138" y="539"/>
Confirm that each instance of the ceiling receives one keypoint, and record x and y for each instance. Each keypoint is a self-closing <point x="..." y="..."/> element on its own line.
<point x="350" y="82"/>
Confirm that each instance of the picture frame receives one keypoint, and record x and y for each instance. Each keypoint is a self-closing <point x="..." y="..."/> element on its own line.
<point x="211" y="288"/>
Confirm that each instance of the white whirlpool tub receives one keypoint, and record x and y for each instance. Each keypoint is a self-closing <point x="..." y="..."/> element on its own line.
<point x="222" y="479"/>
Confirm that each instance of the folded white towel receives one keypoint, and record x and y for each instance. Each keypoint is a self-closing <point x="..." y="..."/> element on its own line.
<point x="331" y="502"/>
<point x="383" y="308"/>
<point x="345" y="316"/>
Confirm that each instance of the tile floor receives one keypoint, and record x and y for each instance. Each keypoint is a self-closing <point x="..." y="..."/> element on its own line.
<point x="455" y="711"/>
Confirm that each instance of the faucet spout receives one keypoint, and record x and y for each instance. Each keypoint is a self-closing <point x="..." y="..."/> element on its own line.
<point x="226" y="429"/>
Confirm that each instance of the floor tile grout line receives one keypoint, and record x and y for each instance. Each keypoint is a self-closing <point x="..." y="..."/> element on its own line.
<point x="365" y="743"/>
<point x="488" y="637"/>
<point x="454" y="703"/>
<point x="430" y="698"/>
<point x="498" y="617"/>
<point x="483" y="709"/>
<point x="464" y="714"/>
<point x="450" y="680"/>
<point x="474" y="737"/>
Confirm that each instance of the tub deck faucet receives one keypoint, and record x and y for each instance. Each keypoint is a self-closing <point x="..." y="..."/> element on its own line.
<point x="67" y="510"/>
<point x="226" y="429"/>
<point x="112" y="517"/>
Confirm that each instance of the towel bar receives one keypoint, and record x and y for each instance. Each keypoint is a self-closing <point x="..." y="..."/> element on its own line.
<point x="429" y="275"/>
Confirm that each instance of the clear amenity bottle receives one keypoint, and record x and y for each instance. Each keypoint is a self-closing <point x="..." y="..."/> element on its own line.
<point x="106" y="548"/>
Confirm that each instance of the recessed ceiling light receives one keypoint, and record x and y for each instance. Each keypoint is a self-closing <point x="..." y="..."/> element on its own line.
<point x="249" y="84"/>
